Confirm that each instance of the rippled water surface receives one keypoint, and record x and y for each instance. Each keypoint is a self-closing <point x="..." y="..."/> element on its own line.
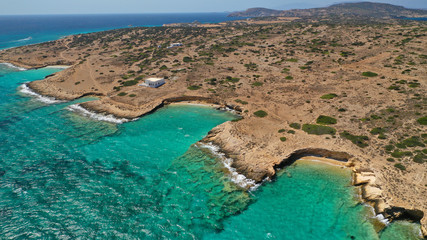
<point x="66" y="176"/>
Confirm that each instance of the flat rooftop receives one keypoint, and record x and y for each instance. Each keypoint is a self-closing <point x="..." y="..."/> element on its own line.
<point x="154" y="79"/>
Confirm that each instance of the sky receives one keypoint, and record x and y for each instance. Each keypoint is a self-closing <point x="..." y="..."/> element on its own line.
<point x="13" y="7"/>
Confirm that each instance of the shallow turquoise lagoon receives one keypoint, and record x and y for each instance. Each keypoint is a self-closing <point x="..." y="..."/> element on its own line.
<point x="64" y="176"/>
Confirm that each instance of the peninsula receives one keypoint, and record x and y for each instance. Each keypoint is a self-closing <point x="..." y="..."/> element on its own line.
<point x="346" y="87"/>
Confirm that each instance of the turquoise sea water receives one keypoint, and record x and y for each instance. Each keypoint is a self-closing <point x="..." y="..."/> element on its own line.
<point x="64" y="176"/>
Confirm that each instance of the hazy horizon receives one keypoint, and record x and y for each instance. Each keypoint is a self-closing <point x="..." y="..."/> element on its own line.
<point x="53" y="7"/>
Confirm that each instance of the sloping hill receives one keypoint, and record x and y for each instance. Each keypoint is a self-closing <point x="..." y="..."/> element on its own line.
<point x="361" y="9"/>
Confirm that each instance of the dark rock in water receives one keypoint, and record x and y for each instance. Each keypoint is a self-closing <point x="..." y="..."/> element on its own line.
<point x="1" y="75"/>
<point x="2" y="172"/>
<point x="399" y="213"/>
<point x="50" y="75"/>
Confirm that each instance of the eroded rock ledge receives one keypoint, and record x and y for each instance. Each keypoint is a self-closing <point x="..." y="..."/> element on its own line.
<point x="251" y="163"/>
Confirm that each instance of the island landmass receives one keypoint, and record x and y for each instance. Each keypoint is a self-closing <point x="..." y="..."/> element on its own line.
<point x="343" y="87"/>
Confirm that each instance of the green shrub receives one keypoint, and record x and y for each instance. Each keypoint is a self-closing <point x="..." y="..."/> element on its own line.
<point x="389" y="148"/>
<point x="295" y="125"/>
<point x="390" y="159"/>
<point x="260" y="113"/>
<point x="241" y="101"/>
<point x="329" y="96"/>
<point x="358" y="140"/>
<point x="132" y="95"/>
<point x="377" y="130"/>
<point x="187" y="59"/>
<point x="400" y="145"/>
<point x="399" y="154"/>
<point x="400" y="166"/>
<point x="369" y="74"/>
<point x="318" y="129"/>
<point x="232" y="79"/>
<point x="422" y="121"/>
<point x="413" y="142"/>
<point x="130" y="83"/>
<point x="257" y="84"/>
<point x="292" y="60"/>
<point x="291" y="131"/>
<point x="139" y="77"/>
<point x="281" y="130"/>
<point x="289" y="77"/>
<point x="283" y="139"/>
<point x="193" y="87"/>
<point x="122" y="94"/>
<point x="419" y="158"/>
<point x="326" y="120"/>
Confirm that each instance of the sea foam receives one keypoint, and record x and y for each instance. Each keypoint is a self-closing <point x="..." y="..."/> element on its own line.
<point x="97" y="116"/>
<point x="235" y="177"/>
<point x="10" y="65"/>
<point x="23" y="39"/>
<point x="379" y="216"/>
<point x="24" y="89"/>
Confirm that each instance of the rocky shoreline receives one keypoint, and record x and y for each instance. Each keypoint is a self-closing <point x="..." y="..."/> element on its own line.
<point x="363" y="178"/>
<point x="282" y="78"/>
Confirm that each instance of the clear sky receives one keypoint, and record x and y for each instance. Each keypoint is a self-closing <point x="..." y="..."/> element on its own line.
<point x="165" y="6"/>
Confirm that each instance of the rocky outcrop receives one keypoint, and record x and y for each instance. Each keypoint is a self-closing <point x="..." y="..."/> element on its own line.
<point x="316" y="152"/>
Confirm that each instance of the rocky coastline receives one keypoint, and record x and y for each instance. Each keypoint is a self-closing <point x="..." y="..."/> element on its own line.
<point x="362" y="178"/>
<point x="281" y="79"/>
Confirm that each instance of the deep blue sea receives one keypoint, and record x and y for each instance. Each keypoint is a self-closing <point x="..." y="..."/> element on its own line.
<point x="67" y="176"/>
<point x="415" y="19"/>
<point x="23" y="30"/>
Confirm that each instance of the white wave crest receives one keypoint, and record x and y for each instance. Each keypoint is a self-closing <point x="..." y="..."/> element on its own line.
<point x="379" y="216"/>
<point x="235" y="177"/>
<point x="23" y="39"/>
<point x="10" y="65"/>
<point x="97" y="116"/>
<point x="24" y="89"/>
<point x="382" y="219"/>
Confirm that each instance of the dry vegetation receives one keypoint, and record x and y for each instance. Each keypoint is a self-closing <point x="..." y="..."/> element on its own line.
<point x="366" y="81"/>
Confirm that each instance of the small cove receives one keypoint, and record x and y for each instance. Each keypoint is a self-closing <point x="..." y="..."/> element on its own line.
<point x="64" y="175"/>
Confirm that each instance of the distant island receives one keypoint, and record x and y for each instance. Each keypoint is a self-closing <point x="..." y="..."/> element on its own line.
<point x="346" y="82"/>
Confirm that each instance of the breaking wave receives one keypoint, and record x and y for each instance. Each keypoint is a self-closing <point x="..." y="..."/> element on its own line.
<point x="97" y="116"/>
<point x="10" y="65"/>
<point x="24" y="89"/>
<point x="235" y="177"/>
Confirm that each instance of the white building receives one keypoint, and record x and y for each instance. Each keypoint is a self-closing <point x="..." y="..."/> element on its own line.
<point x="154" y="82"/>
<point x="175" y="45"/>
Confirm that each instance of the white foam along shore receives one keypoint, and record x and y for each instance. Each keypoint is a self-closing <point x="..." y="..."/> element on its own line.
<point x="24" y="89"/>
<point x="235" y="177"/>
<point x="97" y="116"/>
<point x="10" y="65"/>
<point x="58" y="66"/>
